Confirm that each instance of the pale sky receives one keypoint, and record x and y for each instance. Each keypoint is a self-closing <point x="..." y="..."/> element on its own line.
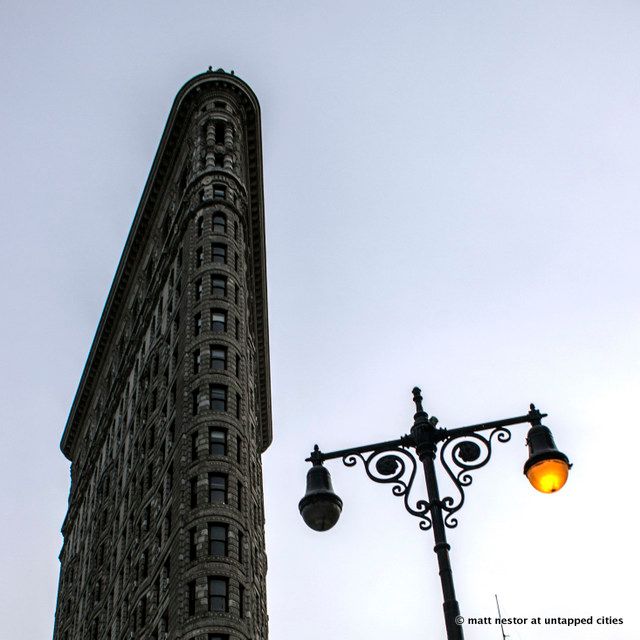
<point x="451" y="193"/>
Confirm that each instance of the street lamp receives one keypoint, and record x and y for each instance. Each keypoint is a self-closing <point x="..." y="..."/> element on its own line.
<point x="462" y="451"/>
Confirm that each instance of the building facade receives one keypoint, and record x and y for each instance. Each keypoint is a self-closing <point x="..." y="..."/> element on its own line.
<point x="164" y="535"/>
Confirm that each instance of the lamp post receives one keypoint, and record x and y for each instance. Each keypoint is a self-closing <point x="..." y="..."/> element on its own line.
<point x="461" y="451"/>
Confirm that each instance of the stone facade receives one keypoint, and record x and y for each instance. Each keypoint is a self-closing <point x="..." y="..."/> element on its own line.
<point x="164" y="536"/>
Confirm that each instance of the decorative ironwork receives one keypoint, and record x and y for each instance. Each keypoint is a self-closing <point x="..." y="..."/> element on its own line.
<point x="466" y="453"/>
<point x="394" y="466"/>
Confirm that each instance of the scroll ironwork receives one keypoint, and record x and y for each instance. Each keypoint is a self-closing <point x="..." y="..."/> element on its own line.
<point x="396" y="467"/>
<point x="460" y="455"/>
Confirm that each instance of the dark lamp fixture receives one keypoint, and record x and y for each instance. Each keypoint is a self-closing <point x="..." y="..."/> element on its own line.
<point x="321" y="507"/>
<point x="547" y="469"/>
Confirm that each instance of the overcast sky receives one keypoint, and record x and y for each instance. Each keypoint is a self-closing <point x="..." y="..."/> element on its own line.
<point x="452" y="193"/>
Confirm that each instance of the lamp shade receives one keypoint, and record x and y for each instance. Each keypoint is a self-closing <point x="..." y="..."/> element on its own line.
<point x="547" y="469"/>
<point x="321" y="507"/>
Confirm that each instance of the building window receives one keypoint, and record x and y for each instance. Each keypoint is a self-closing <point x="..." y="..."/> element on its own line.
<point x="217" y="442"/>
<point x="217" y="636"/>
<point x="218" y="159"/>
<point x="236" y="294"/>
<point x="199" y="256"/>
<point x="219" y="191"/>
<point x="218" y="536"/>
<point x="241" y="602"/>
<point x="240" y="495"/>
<point x="218" y="600"/>
<point x="219" y="253"/>
<point x="237" y="365"/>
<point x="240" y="547"/>
<point x="219" y="286"/>
<point x="236" y="260"/>
<point x="196" y="361"/>
<point x="217" y="397"/>
<point x="235" y="230"/>
<point x="194" y="446"/>
<point x="238" y="449"/>
<point x="198" y="289"/>
<point x="237" y="328"/>
<point x="192" y="543"/>
<point x="193" y="485"/>
<point x="238" y="406"/>
<point x="217" y="488"/>
<point x="220" y="130"/>
<point x="219" y="223"/>
<point x="164" y="622"/>
<point x="194" y="401"/>
<point x="197" y="324"/>
<point x="200" y="225"/>
<point x="217" y="357"/>
<point x="191" y="597"/>
<point x="218" y="321"/>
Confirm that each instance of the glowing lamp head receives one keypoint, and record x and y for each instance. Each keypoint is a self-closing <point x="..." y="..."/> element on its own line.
<point x="547" y="468"/>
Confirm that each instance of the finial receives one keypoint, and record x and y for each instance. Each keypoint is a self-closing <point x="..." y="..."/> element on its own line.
<point x="210" y="69"/>
<point x="417" y="398"/>
<point x="421" y="417"/>
<point x="534" y="415"/>
<point x="316" y="456"/>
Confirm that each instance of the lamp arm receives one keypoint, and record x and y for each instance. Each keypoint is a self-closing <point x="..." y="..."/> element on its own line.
<point x="533" y="417"/>
<point x="389" y="445"/>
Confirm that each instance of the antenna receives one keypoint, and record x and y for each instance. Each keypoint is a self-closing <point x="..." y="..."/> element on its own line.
<point x="504" y="635"/>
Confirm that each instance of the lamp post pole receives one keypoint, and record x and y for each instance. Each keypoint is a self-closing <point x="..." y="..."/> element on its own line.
<point x="462" y="451"/>
<point x="423" y="432"/>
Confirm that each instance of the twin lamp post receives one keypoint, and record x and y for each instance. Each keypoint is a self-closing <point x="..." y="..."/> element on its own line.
<point x="461" y="451"/>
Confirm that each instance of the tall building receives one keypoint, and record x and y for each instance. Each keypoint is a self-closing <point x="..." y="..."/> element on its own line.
<point x="164" y="536"/>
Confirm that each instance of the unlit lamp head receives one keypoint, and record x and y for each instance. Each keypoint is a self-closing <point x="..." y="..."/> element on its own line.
<point x="321" y="507"/>
<point x="547" y="469"/>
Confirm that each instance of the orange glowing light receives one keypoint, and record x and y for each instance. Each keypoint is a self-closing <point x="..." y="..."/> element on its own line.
<point x="548" y="476"/>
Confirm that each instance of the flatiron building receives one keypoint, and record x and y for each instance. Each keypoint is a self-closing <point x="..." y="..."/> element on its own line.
<point x="164" y="535"/>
